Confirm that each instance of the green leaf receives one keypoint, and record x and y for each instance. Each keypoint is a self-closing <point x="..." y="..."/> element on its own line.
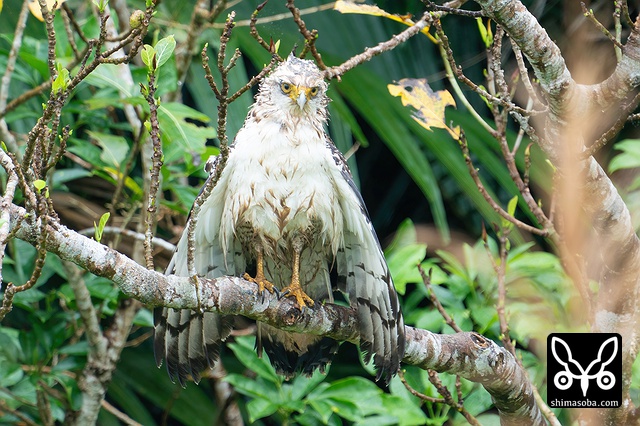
<point x="164" y="49"/>
<point x="108" y="76"/>
<point x="245" y="352"/>
<point x="144" y="318"/>
<point x="39" y="184"/>
<point x="407" y="414"/>
<point x="511" y="207"/>
<point x="302" y="385"/>
<point x="80" y="348"/>
<point x="403" y="264"/>
<point x="61" y="80"/>
<point x="259" y="408"/>
<point x="256" y="388"/>
<point x="629" y="158"/>
<point x="114" y="148"/>
<point x="10" y="373"/>
<point x="182" y="139"/>
<point x="511" y="210"/>
<point x="485" y="32"/>
<point x="147" y="54"/>
<point x="100" y="226"/>
<point x="345" y="389"/>
<point x="66" y="175"/>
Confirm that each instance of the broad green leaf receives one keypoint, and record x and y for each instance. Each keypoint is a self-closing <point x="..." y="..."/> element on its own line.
<point x="129" y="182"/>
<point x="259" y="408"/>
<point x="629" y="158"/>
<point x="251" y="387"/>
<point x="407" y="414"/>
<point x="302" y="385"/>
<point x="182" y="138"/>
<point x="108" y="75"/>
<point x="10" y="373"/>
<point x="80" y="348"/>
<point x="144" y="318"/>
<point x="114" y="148"/>
<point x="324" y="408"/>
<point x="164" y="49"/>
<point x="61" y="80"/>
<point x="403" y="264"/>
<point x="66" y="175"/>
<point x="147" y="54"/>
<point x="245" y="352"/>
<point x="345" y="389"/>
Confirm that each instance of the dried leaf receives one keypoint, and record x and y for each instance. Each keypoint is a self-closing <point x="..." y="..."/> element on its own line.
<point x="343" y="6"/>
<point x="429" y="105"/>
<point x="34" y="7"/>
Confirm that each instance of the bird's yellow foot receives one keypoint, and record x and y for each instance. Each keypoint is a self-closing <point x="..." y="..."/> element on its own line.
<point x="294" y="290"/>
<point x="263" y="283"/>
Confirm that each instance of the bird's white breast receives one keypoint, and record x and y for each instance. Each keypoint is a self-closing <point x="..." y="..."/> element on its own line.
<point x="280" y="183"/>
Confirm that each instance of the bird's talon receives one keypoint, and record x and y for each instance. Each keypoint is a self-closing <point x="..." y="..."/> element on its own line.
<point x="263" y="283"/>
<point x="301" y="297"/>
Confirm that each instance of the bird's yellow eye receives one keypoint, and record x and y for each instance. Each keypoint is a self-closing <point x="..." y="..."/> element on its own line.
<point x="286" y="87"/>
<point x="313" y="91"/>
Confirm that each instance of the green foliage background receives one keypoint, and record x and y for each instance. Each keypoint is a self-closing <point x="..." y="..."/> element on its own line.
<point x="408" y="176"/>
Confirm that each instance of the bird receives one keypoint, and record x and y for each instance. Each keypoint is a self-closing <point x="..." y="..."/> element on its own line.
<point x="285" y="202"/>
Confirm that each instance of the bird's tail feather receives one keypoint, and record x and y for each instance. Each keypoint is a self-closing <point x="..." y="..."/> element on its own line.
<point x="188" y="341"/>
<point x="292" y="353"/>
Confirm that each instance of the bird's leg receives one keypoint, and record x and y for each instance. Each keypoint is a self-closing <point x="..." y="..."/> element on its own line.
<point x="294" y="289"/>
<point x="260" y="279"/>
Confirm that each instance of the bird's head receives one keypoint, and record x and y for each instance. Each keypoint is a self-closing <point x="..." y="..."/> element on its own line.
<point x="296" y="86"/>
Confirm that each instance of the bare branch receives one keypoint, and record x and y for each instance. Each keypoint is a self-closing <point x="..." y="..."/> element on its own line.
<point x="337" y="71"/>
<point x="478" y="359"/>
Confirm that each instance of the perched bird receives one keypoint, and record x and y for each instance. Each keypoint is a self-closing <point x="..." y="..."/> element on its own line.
<point x="285" y="202"/>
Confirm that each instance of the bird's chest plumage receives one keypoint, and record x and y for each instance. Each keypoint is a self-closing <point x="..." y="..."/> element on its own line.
<point x="281" y="186"/>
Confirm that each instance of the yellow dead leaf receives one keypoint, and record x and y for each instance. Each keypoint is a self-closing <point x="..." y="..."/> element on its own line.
<point x="429" y="105"/>
<point x="0" y="5"/>
<point x="34" y="7"/>
<point x="344" y="6"/>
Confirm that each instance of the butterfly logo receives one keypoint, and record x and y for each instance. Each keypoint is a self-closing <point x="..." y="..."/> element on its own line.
<point x="573" y="369"/>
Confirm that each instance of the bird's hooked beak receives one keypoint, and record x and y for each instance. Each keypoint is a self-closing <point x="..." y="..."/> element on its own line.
<point x="300" y="95"/>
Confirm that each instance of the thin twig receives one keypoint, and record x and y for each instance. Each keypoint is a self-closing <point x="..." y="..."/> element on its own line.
<point x="591" y="17"/>
<point x="414" y="392"/>
<point x="524" y="75"/>
<point x="269" y="47"/>
<point x="454" y="10"/>
<point x="156" y="161"/>
<point x="500" y="269"/>
<point x="368" y="54"/>
<point x="510" y="106"/>
<point x="159" y="242"/>
<point x="485" y="194"/>
<point x="426" y="280"/>
<point x="310" y="37"/>
<point x="448" y="398"/>
<point x="119" y="414"/>
<point x="607" y="136"/>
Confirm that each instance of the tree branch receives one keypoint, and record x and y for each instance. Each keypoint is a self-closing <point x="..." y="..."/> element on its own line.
<point x="469" y="355"/>
<point x="584" y="186"/>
